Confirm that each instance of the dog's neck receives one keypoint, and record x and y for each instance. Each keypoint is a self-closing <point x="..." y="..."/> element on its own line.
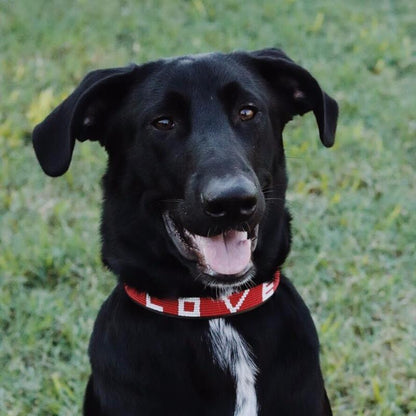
<point x="196" y="307"/>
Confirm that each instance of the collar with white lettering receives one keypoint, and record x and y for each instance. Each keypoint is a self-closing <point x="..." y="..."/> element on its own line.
<point x="193" y="307"/>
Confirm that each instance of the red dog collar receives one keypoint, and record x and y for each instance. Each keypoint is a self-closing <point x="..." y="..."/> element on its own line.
<point x="208" y="307"/>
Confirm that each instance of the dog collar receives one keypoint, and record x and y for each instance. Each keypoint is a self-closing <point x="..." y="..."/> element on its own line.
<point x="193" y="307"/>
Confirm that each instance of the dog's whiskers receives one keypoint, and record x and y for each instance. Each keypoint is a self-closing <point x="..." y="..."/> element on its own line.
<point x="274" y="199"/>
<point x="248" y="284"/>
<point x="172" y="201"/>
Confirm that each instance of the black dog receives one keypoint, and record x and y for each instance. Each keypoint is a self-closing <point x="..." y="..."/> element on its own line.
<point x="194" y="224"/>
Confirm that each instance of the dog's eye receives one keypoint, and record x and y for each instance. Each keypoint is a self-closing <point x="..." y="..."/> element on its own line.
<point x="163" y="123"/>
<point x="247" y="113"/>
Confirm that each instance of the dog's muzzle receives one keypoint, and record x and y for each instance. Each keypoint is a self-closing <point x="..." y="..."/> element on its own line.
<point x="223" y="239"/>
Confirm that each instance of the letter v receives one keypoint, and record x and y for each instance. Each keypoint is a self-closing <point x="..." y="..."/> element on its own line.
<point x="229" y="305"/>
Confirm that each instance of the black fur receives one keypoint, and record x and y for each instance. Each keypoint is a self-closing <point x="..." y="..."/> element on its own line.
<point x="147" y="364"/>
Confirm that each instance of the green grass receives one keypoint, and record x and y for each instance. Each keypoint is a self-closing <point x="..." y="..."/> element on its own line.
<point x="354" y="206"/>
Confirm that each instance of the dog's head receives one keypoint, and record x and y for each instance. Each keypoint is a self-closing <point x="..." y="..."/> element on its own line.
<point x="196" y="175"/>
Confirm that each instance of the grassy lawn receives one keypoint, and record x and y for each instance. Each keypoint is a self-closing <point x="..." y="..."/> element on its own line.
<point x="353" y="256"/>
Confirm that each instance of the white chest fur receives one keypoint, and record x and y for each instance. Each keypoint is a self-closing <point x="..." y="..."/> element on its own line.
<point x="232" y="353"/>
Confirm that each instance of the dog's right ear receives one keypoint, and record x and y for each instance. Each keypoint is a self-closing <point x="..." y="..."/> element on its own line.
<point x="81" y="116"/>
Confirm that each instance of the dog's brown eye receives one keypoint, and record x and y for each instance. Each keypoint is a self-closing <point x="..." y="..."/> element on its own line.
<point x="247" y="113"/>
<point x="164" y="123"/>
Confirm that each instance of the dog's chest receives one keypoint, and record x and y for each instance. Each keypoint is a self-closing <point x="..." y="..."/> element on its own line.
<point x="232" y="353"/>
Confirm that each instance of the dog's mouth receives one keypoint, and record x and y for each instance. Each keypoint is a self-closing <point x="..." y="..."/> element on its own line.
<point x="224" y="259"/>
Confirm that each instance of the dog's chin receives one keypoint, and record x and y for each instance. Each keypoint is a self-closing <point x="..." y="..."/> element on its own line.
<point x="223" y="260"/>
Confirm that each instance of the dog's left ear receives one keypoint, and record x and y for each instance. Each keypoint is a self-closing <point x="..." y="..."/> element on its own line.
<point x="301" y="90"/>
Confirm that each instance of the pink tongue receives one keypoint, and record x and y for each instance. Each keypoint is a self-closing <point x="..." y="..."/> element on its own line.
<point x="227" y="253"/>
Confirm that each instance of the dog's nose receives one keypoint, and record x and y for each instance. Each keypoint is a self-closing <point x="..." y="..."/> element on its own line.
<point x="233" y="197"/>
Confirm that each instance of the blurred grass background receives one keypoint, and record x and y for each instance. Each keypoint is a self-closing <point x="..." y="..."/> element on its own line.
<point x="354" y="206"/>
